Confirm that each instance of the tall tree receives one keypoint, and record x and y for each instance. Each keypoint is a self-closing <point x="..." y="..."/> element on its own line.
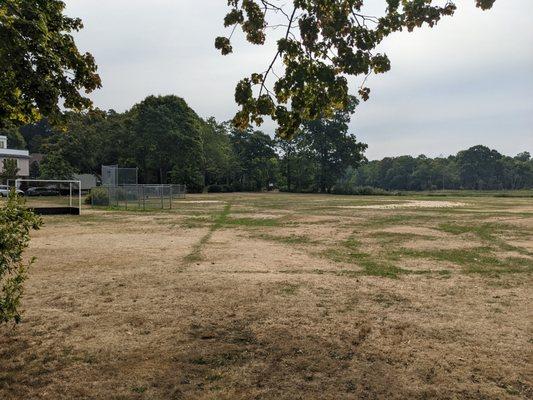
<point x="219" y="159"/>
<point x="166" y="139"/>
<point x="258" y="161"/>
<point x="479" y="168"/>
<point x="10" y="170"/>
<point x="289" y="151"/>
<point x="40" y="66"/>
<point x="15" y="138"/>
<point x="41" y="71"/>
<point x="332" y="147"/>
<point x="323" y="42"/>
<point x="54" y="166"/>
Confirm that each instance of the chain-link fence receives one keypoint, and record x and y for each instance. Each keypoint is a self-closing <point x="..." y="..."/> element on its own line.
<point x="140" y="197"/>
<point x="113" y="175"/>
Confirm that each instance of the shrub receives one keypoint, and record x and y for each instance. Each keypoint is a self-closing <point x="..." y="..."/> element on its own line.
<point x="98" y="197"/>
<point x="362" y="191"/>
<point x="214" y="189"/>
<point x="236" y="187"/>
<point x="220" y="188"/>
<point x="16" y="222"/>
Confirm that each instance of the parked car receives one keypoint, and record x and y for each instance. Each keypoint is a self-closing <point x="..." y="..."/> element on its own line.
<point x="4" y="191"/>
<point x="42" y="191"/>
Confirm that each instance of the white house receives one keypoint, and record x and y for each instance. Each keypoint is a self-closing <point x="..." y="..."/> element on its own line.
<point x="22" y="157"/>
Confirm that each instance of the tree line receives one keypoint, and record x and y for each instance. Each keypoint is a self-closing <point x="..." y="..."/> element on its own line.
<point x="170" y="143"/>
<point x="477" y="168"/>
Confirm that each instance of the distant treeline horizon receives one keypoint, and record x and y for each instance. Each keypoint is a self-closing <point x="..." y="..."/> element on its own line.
<point x="170" y="143"/>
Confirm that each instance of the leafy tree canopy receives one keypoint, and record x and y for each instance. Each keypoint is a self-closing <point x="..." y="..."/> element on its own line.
<point x="15" y="138"/>
<point x="334" y="149"/>
<point x="324" y="42"/>
<point x="166" y="134"/>
<point x="55" y="167"/>
<point x="40" y="66"/>
<point x="10" y="169"/>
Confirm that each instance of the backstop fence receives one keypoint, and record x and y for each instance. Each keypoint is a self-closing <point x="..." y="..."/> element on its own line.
<point x="139" y="197"/>
<point x="113" y="175"/>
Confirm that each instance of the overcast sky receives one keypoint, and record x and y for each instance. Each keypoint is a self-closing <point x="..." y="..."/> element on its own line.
<point x="468" y="81"/>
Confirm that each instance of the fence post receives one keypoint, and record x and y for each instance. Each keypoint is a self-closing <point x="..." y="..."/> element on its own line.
<point x="144" y="198"/>
<point x="79" y="196"/>
<point x="170" y="189"/>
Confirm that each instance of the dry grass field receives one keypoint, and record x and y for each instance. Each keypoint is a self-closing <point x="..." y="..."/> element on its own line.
<point x="278" y="296"/>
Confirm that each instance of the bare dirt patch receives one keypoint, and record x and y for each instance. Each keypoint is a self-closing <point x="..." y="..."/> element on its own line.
<point x="199" y="202"/>
<point x="231" y="251"/>
<point x="414" y="230"/>
<point x="409" y="204"/>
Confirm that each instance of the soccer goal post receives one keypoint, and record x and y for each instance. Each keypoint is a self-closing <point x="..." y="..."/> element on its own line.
<point x="51" y="196"/>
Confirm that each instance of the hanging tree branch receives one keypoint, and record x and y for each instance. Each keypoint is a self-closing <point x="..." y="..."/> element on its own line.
<point x="335" y="40"/>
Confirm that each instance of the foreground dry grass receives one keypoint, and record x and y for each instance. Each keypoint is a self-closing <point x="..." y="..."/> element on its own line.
<point x="279" y="296"/>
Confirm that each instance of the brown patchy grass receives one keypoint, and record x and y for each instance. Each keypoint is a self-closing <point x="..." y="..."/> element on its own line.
<point x="275" y="296"/>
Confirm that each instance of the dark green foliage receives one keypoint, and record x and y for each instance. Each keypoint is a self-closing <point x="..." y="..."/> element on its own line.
<point x="214" y="189"/>
<point x="41" y="72"/>
<point x="475" y="169"/>
<point x="98" y="197"/>
<point x="323" y="43"/>
<point x="257" y="162"/>
<point x="479" y="167"/>
<point x="14" y="136"/>
<point x="330" y="146"/>
<point x="190" y="176"/>
<point x="171" y="144"/>
<point x="9" y="170"/>
<point x="36" y="134"/>
<point x="54" y="166"/>
<point x="165" y="139"/>
<point x="40" y="65"/>
<point x="220" y="162"/>
<point x="165" y="136"/>
<point x="35" y="170"/>
<point x="15" y="225"/>
<point x="315" y="159"/>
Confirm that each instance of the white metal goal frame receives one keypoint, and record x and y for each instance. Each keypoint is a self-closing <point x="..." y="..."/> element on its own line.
<point x="56" y="181"/>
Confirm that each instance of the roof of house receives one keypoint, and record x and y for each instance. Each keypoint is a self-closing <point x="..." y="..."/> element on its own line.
<point x="11" y="153"/>
<point x="36" y="157"/>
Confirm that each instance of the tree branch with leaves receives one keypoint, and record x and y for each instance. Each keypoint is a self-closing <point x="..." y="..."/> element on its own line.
<point x="41" y="69"/>
<point x="41" y="73"/>
<point x="325" y="42"/>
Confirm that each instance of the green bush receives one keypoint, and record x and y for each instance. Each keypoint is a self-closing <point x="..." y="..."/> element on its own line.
<point x="16" y="222"/>
<point x="236" y="187"/>
<point x="214" y="189"/>
<point x="362" y="191"/>
<point x="220" y="189"/>
<point x="98" y="197"/>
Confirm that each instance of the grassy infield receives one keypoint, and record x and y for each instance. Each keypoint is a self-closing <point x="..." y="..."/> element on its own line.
<point x="472" y="224"/>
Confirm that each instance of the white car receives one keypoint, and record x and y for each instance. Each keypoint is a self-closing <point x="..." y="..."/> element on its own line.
<point x="4" y="191"/>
